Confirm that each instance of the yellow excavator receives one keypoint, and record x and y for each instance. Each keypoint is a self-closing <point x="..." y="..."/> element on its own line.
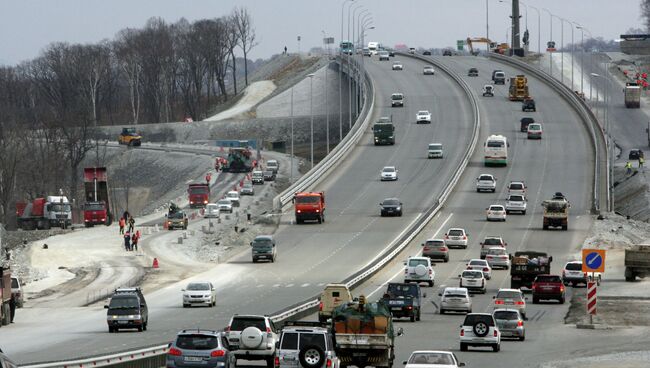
<point x="500" y="48"/>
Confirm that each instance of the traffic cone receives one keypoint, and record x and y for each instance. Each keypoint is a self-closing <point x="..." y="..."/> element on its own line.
<point x="155" y="263"/>
<point x="241" y="183"/>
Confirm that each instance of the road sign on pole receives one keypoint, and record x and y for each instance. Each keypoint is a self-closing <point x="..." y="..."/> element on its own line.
<point x="593" y="260"/>
<point x="460" y="44"/>
<point x="591" y="298"/>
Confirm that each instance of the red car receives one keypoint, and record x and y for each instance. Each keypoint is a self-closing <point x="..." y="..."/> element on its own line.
<point x="547" y="287"/>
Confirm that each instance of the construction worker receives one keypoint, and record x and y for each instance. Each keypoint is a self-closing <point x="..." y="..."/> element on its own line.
<point x="628" y="167"/>
<point x="131" y="224"/>
<point x="134" y="241"/>
<point x="12" y="307"/>
<point x="126" y="216"/>
<point x="127" y="241"/>
<point x="208" y="177"/>
<point x="122" y="224"/>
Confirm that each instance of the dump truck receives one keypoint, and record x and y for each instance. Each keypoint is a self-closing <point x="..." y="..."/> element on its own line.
<point x="309" y="206"/>
<point x="97" y="209"/>
<point x="199" y="195"/>
<point x="632" y="95"/>
<point x="130" y="137"/>
<point x="637" y="262"/>
<point x="384" y="131"/>
<point x="526" y="265"/>
<point x="239" y="160"/>
<point x="556" y="212"/>
<point x="518" y="88"/>
<point x="363" y="334"/>
<point x="5" y="295"/>
<point x="43" y="213"/>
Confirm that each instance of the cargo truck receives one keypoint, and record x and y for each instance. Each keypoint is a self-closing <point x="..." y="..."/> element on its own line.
<point x="518" y="88"/>
<point x="43" y="213"/>
<point x="363" y="334"/>
<point x="97" y="209"/>
<point x="526" y="265"/>
<point x="632" y="95"/>
<point x="199" y="195"/>
<point x="384" y="131"/>
<point x="309" y="206"/>
<point x="637" y="262"/>
<point x="556" y="212"/>
<point x="5" y="295"/>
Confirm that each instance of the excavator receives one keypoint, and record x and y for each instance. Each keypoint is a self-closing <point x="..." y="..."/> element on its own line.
<point x="500" y="48"/>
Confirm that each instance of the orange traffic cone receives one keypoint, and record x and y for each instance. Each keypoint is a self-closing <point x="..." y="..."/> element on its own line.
<point x="155" y="263"/>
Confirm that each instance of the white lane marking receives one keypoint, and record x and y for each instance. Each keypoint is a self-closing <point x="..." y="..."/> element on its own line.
<point x="289" y="285"/>
<point x="260" y="285"/>
<point x="419" y="253"/>
<point x="276" y="285"/>
<point x="304" y="285"/>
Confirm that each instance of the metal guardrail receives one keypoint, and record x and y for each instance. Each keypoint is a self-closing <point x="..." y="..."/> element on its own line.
<point x="601" y="194"/>
<point x="155" y="356"/>
<point x="340" y="151"/>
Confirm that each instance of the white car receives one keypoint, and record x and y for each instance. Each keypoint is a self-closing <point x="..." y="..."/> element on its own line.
<point x="419" y="269"/>
<point x="397" y="65"/>
<point x="517" y="187"/>
<point x="225" y="205"/>
<point x="199" y="293"/>
<point x="511" y="299"/>
<point x="534" y="131"/>
<point x="397" y="99"/>
<point x="423" y="116"/>
<point x="455" y="300"/>
<point x="456" y="237"/>
<point x="489" y="242"/>
<point x="388" y="173"/>
<point x="516" y="203"/>
<point x="433" y="359"/>
<point x="474" y="281"/>
<point x="498" y="257"/>
<point x="428" y="70"/>
<point x="384" y="55"/>
<point x="496" y="212"/>
<point x="572" y="274"/>
<point x="233" y="195"/>
<point x="435" y="150"/>
<point x="486" y="182"/>
<point x="211" y="211"/>
<point x="480" y="329"/>
<point x="480" y="265"/>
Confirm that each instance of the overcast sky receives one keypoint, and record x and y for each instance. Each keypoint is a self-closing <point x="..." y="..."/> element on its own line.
<point x="26" y="26"/>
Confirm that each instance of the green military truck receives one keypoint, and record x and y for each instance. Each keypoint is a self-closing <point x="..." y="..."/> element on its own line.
<point x="384" y="131"/>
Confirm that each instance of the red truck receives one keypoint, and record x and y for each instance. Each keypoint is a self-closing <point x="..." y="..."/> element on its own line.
<point x="309" y="206"/>
<point x="5" y="295"/>
<point x="43" y="213"/>
<point x="199" y="195"/>
<point x="547" y="287"/>
<point x="97" y="210"/>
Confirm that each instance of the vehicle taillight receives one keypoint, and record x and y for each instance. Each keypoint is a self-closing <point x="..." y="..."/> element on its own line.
<point x="329" y="363"/>
<point x="562" y="288"/>
<point x="320" y="306"/>
<point x="277" y="361"/>
<point x="520" y="302"/>
<point x="430" y="271"/>
<point x="462" y="332"/>
<point x="268" y="330"/>
<point x="446" y="236"/>
<point x="534" y="287"/>
<point x="464" y="237"/>
<point x="217" y="353"/>
<point x="443" y="249"/>
<point x="175" y="352"/>
<point x="409" y="307"/>
<point x="498" y="302"/>
<point x="469" y="267"/>
<point x="406" y="271"/>
<point x="228" y="329"/>
<point x="486" y="269"/>
<point x="520" y="323"/>
<point x="495" y="333"/>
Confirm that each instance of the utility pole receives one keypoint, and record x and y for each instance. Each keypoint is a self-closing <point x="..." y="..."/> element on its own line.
<point x="515" y="25"/>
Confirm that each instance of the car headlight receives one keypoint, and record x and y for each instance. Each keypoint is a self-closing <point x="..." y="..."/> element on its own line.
<point x="390" y="136"/>
<point x="399" y="208"/>
<point x="113" y="317"/>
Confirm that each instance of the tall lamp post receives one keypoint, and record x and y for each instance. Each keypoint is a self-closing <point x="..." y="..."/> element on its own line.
<point x="550" y="55"/>
<point x="292" y="157"/>
<point x="572" y="49"/>
<point x="341" y="74"/>
<point x="311" y="112"/>
<point x="582" y="56"/>
<point x="349" y="68"/>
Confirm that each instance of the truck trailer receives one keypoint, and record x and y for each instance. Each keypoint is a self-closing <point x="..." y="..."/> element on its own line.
<point x="43" y="213"/>
<point x="97" y="209"/>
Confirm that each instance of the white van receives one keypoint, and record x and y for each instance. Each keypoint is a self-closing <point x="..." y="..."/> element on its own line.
<point x="496" y="151"/>
<point x="211" y="211"/>
<point x="373" y="47"/>
<point x="332" y="296"/>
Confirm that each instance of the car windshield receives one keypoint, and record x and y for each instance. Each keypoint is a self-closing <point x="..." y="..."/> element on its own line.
<point x="241" y="323"/>
<point x="435" y="147"/>
<point x="485" y="177"/>
<point x="391" y="202"/>
<point x="574" y="266"/>
<point x="262" y="242"/>
<point x="268" y="173"/>
<point x="257" y="174"/>
<point x="455" y="232"/>
<point x="199" y="190"/>
<point x="492" y="241"/>
<point x="432" y="358"/>
<point x="93" y="207"/>
<point x="272" y="163"/>
<point x="496" y="208"/>
<point x="507" y="294"/>
<point x="497" y="251"/>
<point x="197" y="342"/>
<point x="224" y="201"/>
<point x="534" y="127"/>
<point x="506" y="315"/>
<point x="198" y="286"/>
<point x="307" y="199"/>
<point x="455" y="294"/>
<point x="396" y="290"/>
<point x="472" y="274"/>
<point x="496" y="144"/>
<point x="433" y="243"/>
<point x="124" y="302"/>
<point x="478" y="262"/>
<point x="388" y="169"/>
<point x="248" y="185"/>
<point x="232" y="195"/>
<point x="417" y="262"/>
<point x="396" y="97"/>
<point x="58" y="207"/>
<point x="516" y="198"/>
<point x="423" y="113"/>
<point x="176" y="215"/>
<point x="14" y="283"/>
<point x="548" y="279"/>
<point x="516" y="186"/>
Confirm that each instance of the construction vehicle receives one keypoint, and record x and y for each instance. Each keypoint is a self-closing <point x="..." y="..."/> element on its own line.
<point x="199" y="195"/>
<point x="309" y="206"/>
<point x="637" y="262"/>
<point x="239" y="160"/>
<point x="97" y="209"/>
<point x="384" y="131"/>
<point x="518" y="88"/>
<point x="632" y="95"/>
<point x="526" y="265"/>
<point x="130" y="137"/>
<point x="500" y="48"/>
<point x="5" y="295"/>
<point x="556" y="212"/>
<point x="43" y="213"/>
<point x="363" y="334"/>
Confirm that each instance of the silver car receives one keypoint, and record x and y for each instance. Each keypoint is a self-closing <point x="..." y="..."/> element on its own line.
<point x="516" y="203"/>
<point x="199" y="348"/>
<point x="306" y="345"/>
<point x="511" y="298"/>
<point x="486" y="182"/>
<point x="498" y="257"/>
<point x="247" y="189"/>
<point x="456" y="300"/>
<point x="510" y="323"/>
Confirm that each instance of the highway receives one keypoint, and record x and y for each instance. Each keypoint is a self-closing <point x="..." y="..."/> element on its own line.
<point x="309" y="255"/>
<point x="561" y="161"/>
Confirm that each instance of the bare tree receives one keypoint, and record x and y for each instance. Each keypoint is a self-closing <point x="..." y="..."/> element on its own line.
<point x="645" y="14"/>
<point x="244" y="24"/>
<point x="125" y="51"/>
<point x="232" y="39"/>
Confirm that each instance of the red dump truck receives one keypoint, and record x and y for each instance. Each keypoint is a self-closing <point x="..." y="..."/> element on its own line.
<point x="5" y="295"/>
<point x="309" y="206"/>
<point x="199" y="195"/>
<point x="97" y="210"/>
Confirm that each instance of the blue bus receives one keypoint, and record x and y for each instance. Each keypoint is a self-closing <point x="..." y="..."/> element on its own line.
<point x="346" y="47"/>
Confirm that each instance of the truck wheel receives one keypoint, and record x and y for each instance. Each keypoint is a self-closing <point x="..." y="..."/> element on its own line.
<point x="535" y="300"/>
<point x="442" y="311"/>
<point x="311" y="356"/>
<point x="629" y="275"/>
<point x="496" y="348"/>
<point x="320" y="220"/>
<point x="269" y="362"/>
<point x="523" y="212"/>
<point x="418" y="317"/>
<point x="412" y="317"/>
<point x="544" y="227"/>
<point x="561" y="300"/>
<point x="564" y="227"/>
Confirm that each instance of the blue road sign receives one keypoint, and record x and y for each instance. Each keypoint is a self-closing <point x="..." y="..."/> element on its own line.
<point x="594" y="260"/>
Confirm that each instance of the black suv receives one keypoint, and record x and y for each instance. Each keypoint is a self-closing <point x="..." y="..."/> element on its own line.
<point x="127" y="309"/>
<point x="473" y="72"/>
<point x="404" y="300"/>
<point x="635" y="154"/>
<point x="528" y="105"/>
<point x="525" y="122"/>
<point x="390" y="207"/>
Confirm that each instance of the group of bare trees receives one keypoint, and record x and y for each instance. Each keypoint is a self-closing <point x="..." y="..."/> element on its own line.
<point x="159" y="73"/>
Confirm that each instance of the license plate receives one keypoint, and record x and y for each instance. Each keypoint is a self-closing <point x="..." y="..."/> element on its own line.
<point x="396" y="308"/>
<point x="193" y="359"/>
<point x="261" y="256"/>
<point x="362" y="340"/>
<point x="122" y="322"/>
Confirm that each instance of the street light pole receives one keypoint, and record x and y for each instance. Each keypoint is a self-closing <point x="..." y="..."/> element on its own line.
<point x="572" y="49"/>
<point x="341" y="75"/>
<point x="550" y="54"/>
<point x="311" y="112"/>
<point x="487" y="19"/>
<point x="292" y="157"/>
<point x="350" y="68"/>
<point x="327" y="111"/>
